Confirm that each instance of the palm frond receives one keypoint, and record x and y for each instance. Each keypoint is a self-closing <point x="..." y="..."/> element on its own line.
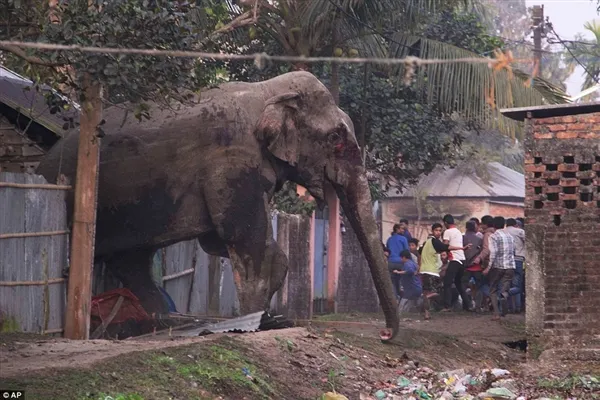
<point x="473" y="90"/>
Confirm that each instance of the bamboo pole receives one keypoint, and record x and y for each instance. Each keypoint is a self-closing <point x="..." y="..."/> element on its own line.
<point x="32" y="283"/>
<point x="31" y="234"/>
<point x="178" y="274"/>
<point x="77" y="323"/>
<point x="34" y="186"/>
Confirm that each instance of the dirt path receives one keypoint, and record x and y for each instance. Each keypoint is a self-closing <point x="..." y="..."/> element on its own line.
<point x="299" y="363"/>
<point x="17" y="357"/>
<point x="24" y="357"/>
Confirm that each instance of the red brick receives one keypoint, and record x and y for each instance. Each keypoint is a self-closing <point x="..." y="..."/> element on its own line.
<point x="552" y="175"/>
<point x="567" y="120"/>
<point x="567" y="135"/>
<point x="529" y="159"/>
<point x="553" y="189"/>
<point x="543" y="135"/>
<point x="535" y="168"/>
<point x="557" y="127"/>
<point x="594" y="118"/>
<point x="585" y="174"/>
<point x="568" y="167"/>
<point x="588" y="135"/>
<point x="569" y="182"/>
<point x="536" y="182"/>
<point x="578" y="127"/>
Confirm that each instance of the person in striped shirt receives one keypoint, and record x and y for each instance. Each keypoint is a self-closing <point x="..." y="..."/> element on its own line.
<point x="501" y="268"/>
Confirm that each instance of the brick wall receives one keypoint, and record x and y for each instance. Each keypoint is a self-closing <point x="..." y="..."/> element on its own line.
<point x="563" y="235"/>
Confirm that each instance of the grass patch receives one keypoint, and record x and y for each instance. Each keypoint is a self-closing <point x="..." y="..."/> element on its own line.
<point x="197" y="372"/>
<point x="223" y="367"/>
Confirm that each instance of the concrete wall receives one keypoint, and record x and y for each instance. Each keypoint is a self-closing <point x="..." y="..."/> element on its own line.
<point x="563" y="236"/>
<point x="355" y="290"/>
<point x="295" y="236"/>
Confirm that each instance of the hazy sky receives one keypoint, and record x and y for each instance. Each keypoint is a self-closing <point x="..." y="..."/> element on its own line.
<point x="568" y="17"/>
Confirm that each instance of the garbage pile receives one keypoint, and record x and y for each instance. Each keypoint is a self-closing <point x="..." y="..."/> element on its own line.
<point x="422" y="383"/>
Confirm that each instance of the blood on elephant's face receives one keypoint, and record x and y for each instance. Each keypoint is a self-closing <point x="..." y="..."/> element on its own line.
<point x="306" y="130"/>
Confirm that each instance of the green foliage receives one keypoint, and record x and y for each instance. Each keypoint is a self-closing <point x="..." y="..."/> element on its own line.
<point x="464" y="30"/>
<point x="588" y="53"/>
<point x="288" y="201"/>
<point x="227" y="365"/>
<point x="142" y="24"/>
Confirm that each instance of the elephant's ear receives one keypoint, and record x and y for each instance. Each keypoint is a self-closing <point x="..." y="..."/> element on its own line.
<point x="276" y="128"/>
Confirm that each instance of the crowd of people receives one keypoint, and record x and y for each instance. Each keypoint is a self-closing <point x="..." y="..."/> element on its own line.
<point x="481" y="270"/>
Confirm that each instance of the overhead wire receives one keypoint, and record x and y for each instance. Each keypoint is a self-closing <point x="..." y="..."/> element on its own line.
<point x="582" y="65"/>
<point x="259" y="58"/>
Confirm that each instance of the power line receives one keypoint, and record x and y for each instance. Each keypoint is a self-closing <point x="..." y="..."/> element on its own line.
<point x="259" y="58"/>
<point x="593" y="77"/>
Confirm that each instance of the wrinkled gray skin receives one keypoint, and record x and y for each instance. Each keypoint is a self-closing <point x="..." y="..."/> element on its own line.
<point x="209" y="171"/>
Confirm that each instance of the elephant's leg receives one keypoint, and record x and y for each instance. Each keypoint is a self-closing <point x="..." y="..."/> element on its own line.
<point x="132" y="267"/>
<point x="256" y="286"/>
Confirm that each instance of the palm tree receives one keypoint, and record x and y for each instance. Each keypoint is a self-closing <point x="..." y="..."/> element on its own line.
<point x="587" y="52"/>
<point x="385" y="28"/>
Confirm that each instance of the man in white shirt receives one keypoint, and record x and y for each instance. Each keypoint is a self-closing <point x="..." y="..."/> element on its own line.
<point x="456" y="267"/>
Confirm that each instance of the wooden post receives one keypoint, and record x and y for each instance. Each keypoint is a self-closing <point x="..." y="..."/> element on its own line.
<point x="77" y="324"/>
<point x="538" y="23"/>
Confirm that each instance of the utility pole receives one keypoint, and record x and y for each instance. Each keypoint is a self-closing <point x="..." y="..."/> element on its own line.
<point x="538" y="33"/>
<point x="79" y="296"/>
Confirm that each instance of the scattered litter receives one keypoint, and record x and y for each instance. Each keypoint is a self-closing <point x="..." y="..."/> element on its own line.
<point x="380" y="394"/>
<point x="498" y="394"/>
<point x="246" y="373"/>
<point x="497" y="372"/>
<point x="403" y="381"/>
<point x="333" y="396"/>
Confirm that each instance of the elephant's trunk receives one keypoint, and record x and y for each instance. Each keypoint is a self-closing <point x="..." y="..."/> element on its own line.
<point x="355" y="199"/>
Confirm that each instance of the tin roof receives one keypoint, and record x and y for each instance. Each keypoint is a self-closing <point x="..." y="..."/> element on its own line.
<point x="503" y="182"/>
<point x="19" y="94"/>
<point x="554" y="110"/>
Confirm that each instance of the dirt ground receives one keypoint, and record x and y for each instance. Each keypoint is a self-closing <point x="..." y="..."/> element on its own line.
<point x="335" y="352"/>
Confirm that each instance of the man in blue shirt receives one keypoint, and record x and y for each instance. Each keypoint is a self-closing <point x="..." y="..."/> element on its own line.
<point x="395" y="245"/>
<point x="404" y="229"/>
<point x="411" y="283"/>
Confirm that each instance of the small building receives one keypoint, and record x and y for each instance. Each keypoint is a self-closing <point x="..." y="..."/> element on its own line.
<point x="29" y="124"/>
<point x="465" y="191"/>
<point x="562" y="225"/>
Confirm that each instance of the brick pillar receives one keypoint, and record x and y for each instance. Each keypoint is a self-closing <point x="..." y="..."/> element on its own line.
<point x="562" y="210"/>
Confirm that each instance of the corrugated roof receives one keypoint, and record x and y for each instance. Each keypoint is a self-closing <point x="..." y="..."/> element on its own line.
<point x="463" y="182"/>
<point x="18" y="93"/>
<point x="554" y="110"/>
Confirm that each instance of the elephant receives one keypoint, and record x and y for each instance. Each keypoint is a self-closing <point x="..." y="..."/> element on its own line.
<point x="207" y="171"/>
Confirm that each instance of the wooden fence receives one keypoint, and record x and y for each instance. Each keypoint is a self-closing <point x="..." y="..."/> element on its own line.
<point x="33" y="253"/>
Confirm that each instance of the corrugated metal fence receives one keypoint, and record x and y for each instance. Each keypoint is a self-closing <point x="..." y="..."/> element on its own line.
<point x="33" y="253"/>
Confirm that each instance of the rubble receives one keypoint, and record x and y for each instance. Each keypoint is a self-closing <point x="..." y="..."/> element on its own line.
<point x="422" y="383"/>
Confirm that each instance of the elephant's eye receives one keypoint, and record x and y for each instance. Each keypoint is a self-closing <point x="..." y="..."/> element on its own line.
<point x="334" y="138"/>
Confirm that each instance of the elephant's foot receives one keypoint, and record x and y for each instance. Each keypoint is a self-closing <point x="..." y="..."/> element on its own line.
<point x="255" y="290"/>
<point x="133" y="270"/>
